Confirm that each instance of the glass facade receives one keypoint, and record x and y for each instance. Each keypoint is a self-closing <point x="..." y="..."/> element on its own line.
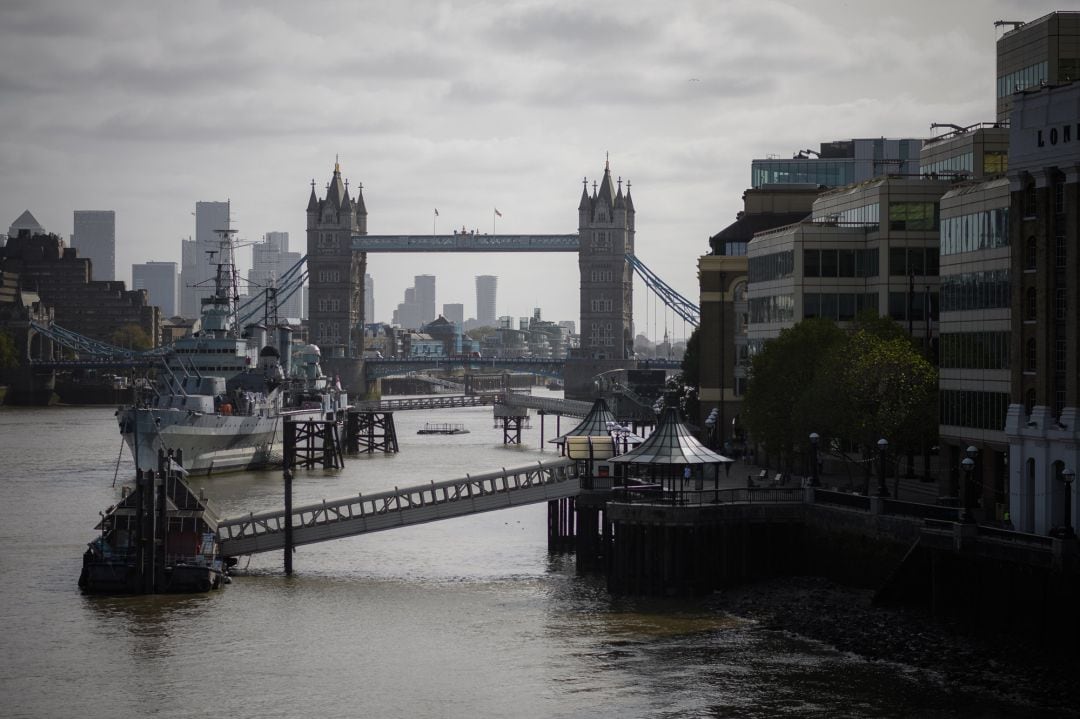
<point x="975" y="350"/>
<point x="840" y="263"/>
<point x="898" y="306"/>
<point x="988" y="289"/>
<point x="773" y="266"/>
<point x="778" y="308"/>
<point x="867" y="215"/>
<point x="977" y="410"/>
<point x="838" y="306"/>
<point x="976" y="231"/>
<point x="957" y="163"/>
<point x="831" y="172"/>
<point x="920" y="261"/>
<point x="913" y="216"/>
<point x="1023" y="78"/>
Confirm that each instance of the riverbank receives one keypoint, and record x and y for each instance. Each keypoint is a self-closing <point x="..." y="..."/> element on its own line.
<point x="846" y="619"/>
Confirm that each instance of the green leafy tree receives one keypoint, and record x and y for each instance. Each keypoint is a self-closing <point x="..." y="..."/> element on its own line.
<point x="9" y="358"/>
<point x="479" y="333"/>
<point x="783" y="402"/>
<point x="132" y="336"/>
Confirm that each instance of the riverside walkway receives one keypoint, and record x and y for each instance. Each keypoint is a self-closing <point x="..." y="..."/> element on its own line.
<point x="351" y="516"/>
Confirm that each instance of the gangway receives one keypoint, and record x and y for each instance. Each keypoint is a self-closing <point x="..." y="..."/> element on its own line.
<point x="548" y="405"/>
<point x="444" y="401"/>
<point x="352" y="516"/>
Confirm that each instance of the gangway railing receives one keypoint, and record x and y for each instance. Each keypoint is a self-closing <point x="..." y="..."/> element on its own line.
<point x="446" y="401"/>
<point x="549" y="405"/>
<point x="400" y="507"/>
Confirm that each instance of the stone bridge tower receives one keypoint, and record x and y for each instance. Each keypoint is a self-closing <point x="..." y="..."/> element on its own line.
<point x="606" y="229"/>
<point x="335" y="272"/>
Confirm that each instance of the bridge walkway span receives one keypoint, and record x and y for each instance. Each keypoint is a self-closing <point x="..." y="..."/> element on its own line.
<point x="401" y="507"/>
<point x="548" y="405"/>
<point x="435" y="402"/>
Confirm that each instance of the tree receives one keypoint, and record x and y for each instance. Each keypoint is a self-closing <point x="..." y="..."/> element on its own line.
<point x="9" y="358"/>
<point x="783" y="403"/>
<point x="479" y="333"/>
<point x="132" y="336"/>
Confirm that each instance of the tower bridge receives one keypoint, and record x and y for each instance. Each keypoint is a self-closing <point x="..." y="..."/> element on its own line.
<point x="338" y="244"/>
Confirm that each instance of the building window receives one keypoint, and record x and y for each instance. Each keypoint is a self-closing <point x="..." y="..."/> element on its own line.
<point x="1060" y="355"/>
<point x="1029" y="401"/>
<point x="1061" y="250"/>
<point x="1031" y="254"/>
<point x="1032" y="356"/>
<point x="1061" y="305"/>
<point x="1059" y="198"/>
<point x="1030" y="200"/>
<point x="1030" y="305"/>
<point x="913" y="216"/>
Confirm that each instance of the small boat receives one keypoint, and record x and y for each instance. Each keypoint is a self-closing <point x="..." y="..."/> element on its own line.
<point x="443" y="428"/>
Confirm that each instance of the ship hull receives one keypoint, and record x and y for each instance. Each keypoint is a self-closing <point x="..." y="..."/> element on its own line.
<point x="211" y="444"/>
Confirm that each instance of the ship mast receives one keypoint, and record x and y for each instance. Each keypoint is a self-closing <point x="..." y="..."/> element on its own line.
<point x="221" y="310"/>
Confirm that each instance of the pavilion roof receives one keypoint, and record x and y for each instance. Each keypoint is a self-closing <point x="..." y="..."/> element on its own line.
<point x="671" y="443"/>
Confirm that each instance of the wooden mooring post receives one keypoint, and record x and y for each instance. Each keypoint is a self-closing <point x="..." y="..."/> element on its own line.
<point x="370" y="432"/>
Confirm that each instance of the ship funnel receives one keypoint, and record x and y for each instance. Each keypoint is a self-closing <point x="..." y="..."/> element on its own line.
<point x="284" y="339"/>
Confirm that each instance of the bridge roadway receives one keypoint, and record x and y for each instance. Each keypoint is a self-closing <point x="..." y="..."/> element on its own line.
<point x="265" y="532"/>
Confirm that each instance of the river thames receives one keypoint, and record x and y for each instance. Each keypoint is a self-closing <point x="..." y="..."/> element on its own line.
<point x="470" y="617"/>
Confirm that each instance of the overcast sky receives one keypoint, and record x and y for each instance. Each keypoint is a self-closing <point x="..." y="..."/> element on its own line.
<point x="147" y="107"/>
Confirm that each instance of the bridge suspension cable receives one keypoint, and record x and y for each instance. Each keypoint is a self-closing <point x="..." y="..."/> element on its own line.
<point x="678" y="304"/>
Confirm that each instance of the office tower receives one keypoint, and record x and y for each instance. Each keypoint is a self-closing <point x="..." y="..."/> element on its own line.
<point x="485" y="300"/>
<point x="210" y="218"/>
<point x="188" y="252"/>
<point x="159" y="279"/>
<point x="369" y="299"/>
<point x="270" y="261"/>
<point x="839" y="163"/>
<point x="25" y="221"/>
<point x="95" y="239"/>
<point x="1041" y="52"/>
<point x="425" y="297"/>
<point x="455" y="313"/>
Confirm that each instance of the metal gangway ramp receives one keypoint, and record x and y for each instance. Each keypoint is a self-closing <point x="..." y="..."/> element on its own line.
<point x="351" y="516"/>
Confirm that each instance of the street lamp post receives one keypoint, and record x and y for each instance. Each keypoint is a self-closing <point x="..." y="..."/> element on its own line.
<point x="1067" y="476"/>
<point x="814" y="439"/>
<point x="968" y="465"/>
<point x="883" y="447"/>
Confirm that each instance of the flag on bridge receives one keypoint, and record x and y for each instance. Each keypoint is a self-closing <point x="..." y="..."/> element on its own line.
<point x="436" y="211"/>
<point x="497" y="212"/>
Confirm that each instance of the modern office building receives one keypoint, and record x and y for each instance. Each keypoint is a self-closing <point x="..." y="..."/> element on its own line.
<point x="1045" y="51"/>
<point x="210" y="219"/>
<point x="486" y="285"/>
<point x="25" y="221"/>
<point x="408" y="313"/>
<point x="95" y="239"/>
<point x="839" y="163"/>
<point x="974" y="326"/>
<point x="425" y="297"/>
<point x="188" y="252"/>
<point x="454" y="312"/>
<point x="270" y="261"/>
<point x="1044" y="220"/>
<point x="161" y="282"/>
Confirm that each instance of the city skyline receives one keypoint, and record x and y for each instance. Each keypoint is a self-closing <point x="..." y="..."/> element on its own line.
<point x="465" y="132"/>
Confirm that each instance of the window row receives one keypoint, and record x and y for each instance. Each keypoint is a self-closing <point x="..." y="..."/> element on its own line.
<point x="977" y="410"/>
<point x="778" y="308"/>
<point x="975" y="231"/>
<point x="771" y="267"/>
<point x="329" y="276"/>
<point x="957" y="163"/>
<point x="864" y="215"/>
<point x="913" y="216"/>
<point x="988" y="289"/>
<point x="840" y="263"/>
<point x="904" y="306"/>
<point x="813" y="171"/>
<point x="975" y="350"/>
<point x="1020" y="79"/>
<point x="838" y="306"/>
<point x="921" y="261"/>
<point x="604" y="275"/>
<point x="600" y="305"/>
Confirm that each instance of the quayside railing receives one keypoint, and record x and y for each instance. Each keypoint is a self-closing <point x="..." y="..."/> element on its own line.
<point x="400" y="507"/>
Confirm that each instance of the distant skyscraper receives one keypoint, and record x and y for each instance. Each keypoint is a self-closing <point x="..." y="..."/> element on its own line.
<point x="95" y="238"/>
<point x="454" y="313"/>
<point x="188" y="253"/>
<point x="425" y="297"/>
<point x="25" y="221"/>
<point x="485" y="299"/>
<point x="270" y="260"/>
<point x="209" y="218"/>
<point x="369" y="299"/>
<point x="159" y="279"/>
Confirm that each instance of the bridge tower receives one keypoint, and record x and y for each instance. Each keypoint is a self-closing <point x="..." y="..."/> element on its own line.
<point x="335" y="272"/>
<point x="606" y="230"/>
